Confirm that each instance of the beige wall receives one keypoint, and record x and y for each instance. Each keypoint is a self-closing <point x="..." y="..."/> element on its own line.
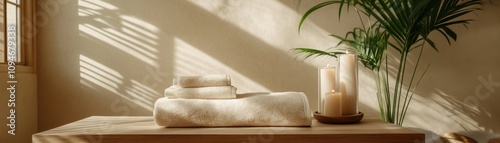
<point x="116" y="57"/>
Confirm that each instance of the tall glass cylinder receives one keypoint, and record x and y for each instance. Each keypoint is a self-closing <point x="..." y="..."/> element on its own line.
<point x="348" y="83"/>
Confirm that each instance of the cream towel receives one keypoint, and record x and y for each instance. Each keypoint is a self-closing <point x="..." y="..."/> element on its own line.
<point x="214" y="92"/>
<point x="257" y="109"/>
<point x="202" y="81"/>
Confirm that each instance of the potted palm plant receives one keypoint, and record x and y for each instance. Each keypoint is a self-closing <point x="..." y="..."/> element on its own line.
<point x="403" y="25"/>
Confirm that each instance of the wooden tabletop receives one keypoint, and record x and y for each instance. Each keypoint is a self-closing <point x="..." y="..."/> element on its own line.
<point x="134" y="129"/>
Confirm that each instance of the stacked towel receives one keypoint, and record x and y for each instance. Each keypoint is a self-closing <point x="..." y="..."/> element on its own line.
<point x="216" y="92"/>
<point x="202" y="87"/>
<point x="257" y="109"/>
<point x="203" y="81"/>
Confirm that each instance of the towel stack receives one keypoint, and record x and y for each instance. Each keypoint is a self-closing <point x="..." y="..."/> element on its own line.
<point x="202" y="87"/>
<point x="211" y="101"/>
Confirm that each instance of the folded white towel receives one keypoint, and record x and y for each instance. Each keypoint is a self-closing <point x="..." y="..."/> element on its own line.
<point x="202" y="81"/>
<point x="214" y="92"/>
<point x="258" y="109"/>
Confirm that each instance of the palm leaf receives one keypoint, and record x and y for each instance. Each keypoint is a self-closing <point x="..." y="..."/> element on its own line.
<point x="310" y="52"/>
<point x="445" y="15"/>
<point x="316" y="7"/>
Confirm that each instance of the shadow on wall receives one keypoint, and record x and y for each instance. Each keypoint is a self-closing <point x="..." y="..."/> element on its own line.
<point x="121" y="58"/>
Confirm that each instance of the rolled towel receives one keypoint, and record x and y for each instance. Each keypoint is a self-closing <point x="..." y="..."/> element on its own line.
<point x="259" y="109"/>
<point x="202" y="81"/>
<point x="214" y="92"/>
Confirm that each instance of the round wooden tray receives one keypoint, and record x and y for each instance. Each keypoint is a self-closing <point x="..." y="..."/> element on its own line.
<point x="350" y="119"/>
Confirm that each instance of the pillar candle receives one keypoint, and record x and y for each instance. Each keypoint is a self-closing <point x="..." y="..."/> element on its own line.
<point x="327" y="82"/>
<point x="333" y="104"/>
<point x="348" y="85"/>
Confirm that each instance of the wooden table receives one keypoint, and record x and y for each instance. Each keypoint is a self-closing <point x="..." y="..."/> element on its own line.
<point x="135" y="129"/>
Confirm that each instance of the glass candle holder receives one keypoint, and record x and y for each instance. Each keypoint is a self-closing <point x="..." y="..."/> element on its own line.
<point x="348" y="82"/>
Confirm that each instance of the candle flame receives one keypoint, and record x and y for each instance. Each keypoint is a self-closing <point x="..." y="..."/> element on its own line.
<point x="346" y="51"/>
<point x="333" y="91"/>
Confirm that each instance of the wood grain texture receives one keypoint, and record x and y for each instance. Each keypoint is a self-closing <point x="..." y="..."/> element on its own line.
<point x="133" y="129"/>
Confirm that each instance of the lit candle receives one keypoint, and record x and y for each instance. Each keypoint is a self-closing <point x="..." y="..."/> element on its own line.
<point x="333" y="104"/>
<point x="348" y="83"/>
<point x="327" y="84"/>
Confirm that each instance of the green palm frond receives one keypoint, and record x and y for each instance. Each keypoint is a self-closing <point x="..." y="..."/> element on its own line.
<point x="342" y="3"/>
<point x="316" y="7"/>
<point x="310" y="52"/>
<point x="445" y="14"/>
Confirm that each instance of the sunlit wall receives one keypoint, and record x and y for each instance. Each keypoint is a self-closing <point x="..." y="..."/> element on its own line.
<point x="116" y="57"/>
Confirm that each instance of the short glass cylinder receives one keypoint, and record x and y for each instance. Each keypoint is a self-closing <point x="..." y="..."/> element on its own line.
<point x="327" y="82"/>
